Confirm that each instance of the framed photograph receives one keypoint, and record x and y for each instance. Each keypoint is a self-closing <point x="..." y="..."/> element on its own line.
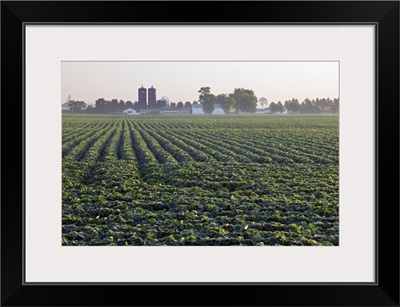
<point x="191" y="150"/>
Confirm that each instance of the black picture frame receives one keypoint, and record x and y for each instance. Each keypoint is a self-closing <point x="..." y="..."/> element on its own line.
<point x="383" y="14"/>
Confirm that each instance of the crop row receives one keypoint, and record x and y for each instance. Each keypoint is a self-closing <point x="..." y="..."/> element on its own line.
<point x="73" y="130"/>
<point x="143" y="154"/>
<point x="84" y="136"/>
<point x="298" y="149"/>
<point x="276" y="153"/>
<point x="195" y="145"/>
<point x="201" y="180"/>
<point x="157" y="213"/>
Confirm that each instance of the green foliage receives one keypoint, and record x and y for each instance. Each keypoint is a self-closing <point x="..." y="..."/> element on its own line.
<point x="263" y="102"/>
<point x="277" y="107"/>
<point x="245" y="99"/>
<point x="293" y="106"/>
<point x="76" y="106"/>
<point x="227" y="102"/>
<point x="207" y="99"/>
<point x="179" y="180"/>
<point x="280" y="107"/>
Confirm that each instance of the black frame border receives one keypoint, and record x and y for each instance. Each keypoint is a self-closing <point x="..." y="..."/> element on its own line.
<point x="384" y="14"/>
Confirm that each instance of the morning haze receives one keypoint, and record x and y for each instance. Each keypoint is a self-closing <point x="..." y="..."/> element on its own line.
<point x="180" y="81"/>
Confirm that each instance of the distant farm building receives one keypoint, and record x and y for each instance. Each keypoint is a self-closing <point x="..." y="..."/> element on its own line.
<point x="131" y="112"/>
<point x="186" y="110"/>
<point x="197" y="109"/>
<point x="149" y="111"/>
<point x="170" y="110"/>
<point x="218" y="109"/>
<point x="147" y="99"/>
<point x="263" y="111"/>
<point x="162" y="102"/>
<point x="152" y="102"/>
<point x="142" y="94"/>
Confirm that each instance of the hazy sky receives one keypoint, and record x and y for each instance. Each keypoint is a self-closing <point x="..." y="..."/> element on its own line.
<point x="180" y="81"/>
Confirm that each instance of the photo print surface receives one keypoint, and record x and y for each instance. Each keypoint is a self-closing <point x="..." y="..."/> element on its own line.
<point x="200" y="153"/>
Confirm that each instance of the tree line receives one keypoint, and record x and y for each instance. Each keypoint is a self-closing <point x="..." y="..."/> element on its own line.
<point x="239" y="101"/>
<point x="318" y="105"/>
<point x="245" y="101"/>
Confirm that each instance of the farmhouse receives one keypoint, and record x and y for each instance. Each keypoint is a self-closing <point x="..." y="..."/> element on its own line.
<point x="198" y="109"/>
<point x="130" y="111"/>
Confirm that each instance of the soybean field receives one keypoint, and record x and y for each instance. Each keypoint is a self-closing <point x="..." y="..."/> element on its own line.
<point x="200" y="180"/>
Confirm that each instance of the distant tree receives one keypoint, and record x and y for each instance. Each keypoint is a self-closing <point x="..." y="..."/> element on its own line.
<point x="89" y="109"/>
<point x="329" y="105"/>
<point x="230" y="103"/>
<point x="335" y="105"/>
<point x="100" y="105"/>
<point x="188" y="104"/>
<point x="273" y="107"/>
<point x="129" y="104"/>
<point x="135" y="106"/>
<point x="207" y="99"/>
<point x="209" y="104"/>
<point x="227" y="102"/>
<point x="245" y="99"/>
<point x="179" y="105"/>
<point x="113" y="105"/>
<point x="280" y="107"/>
<point x="104" y="106"/>
<point x="287" y="104"/>
<point x="195" y="102"/>
<point x="221" y="100"/>
<point x="263" y="102"/>
<point x="76" y="106"/>
<point x="324" y="104"/>
<point x="121" y="105"/>
<point x="173" y="104"/>
<point x="203" y="91"/>
<point x="308" y="102"/>
<point x="312" y="106"/>
<point x="292" y="106"/>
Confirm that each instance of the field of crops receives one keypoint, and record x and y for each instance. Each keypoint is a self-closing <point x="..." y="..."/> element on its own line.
<point x="200" y="180"/>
